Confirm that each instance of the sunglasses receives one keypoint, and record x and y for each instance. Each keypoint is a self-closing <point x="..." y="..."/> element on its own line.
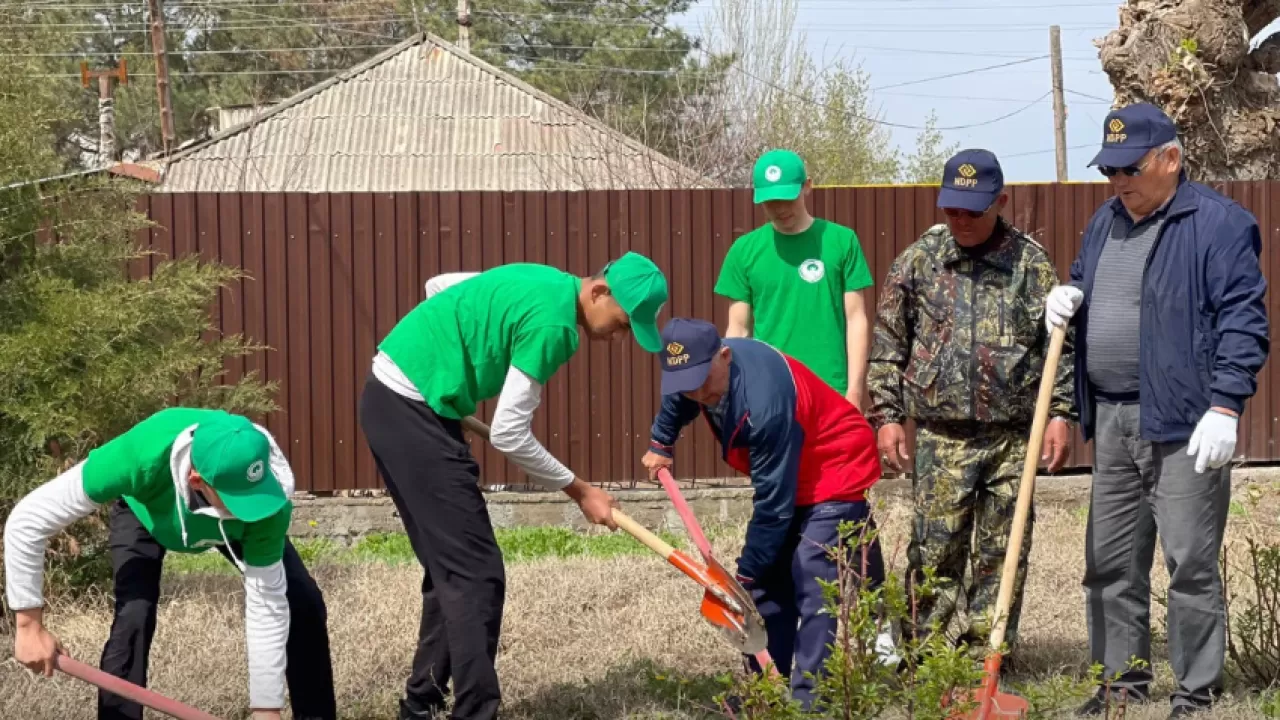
<point x="971" y="214"/>
<point x="1131" y="170"/>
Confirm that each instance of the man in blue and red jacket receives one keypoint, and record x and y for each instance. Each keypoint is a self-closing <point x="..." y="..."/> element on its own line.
<point x="811" y="456"/>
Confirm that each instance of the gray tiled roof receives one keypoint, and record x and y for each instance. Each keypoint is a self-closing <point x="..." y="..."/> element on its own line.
<point x="422" y="116"/>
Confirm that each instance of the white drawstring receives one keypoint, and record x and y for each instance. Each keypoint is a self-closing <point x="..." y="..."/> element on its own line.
<point x="230" y="552"/>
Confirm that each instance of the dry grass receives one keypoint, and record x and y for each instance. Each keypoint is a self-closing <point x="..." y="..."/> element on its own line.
<point x="583" y="637"/>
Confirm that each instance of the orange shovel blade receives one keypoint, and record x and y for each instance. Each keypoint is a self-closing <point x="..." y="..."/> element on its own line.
<point x="725" y="605"/>
<point x="988" y="703"/>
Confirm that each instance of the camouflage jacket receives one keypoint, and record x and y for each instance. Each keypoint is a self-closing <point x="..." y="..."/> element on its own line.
<point x="961" y="336"/>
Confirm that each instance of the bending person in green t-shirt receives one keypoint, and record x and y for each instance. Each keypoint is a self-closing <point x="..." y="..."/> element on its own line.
<point x="501" y="333"/>
<point x="795" y="281"/>
<point x="183" y="480"/>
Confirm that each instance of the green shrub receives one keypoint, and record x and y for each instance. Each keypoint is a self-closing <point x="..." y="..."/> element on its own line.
<point x="932" y="681"/>
<point x="84" y="351"/>
<point x="1253" y="616"/>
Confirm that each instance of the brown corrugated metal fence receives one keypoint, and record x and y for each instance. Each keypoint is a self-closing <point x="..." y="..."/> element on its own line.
<point x="330" y="274"/>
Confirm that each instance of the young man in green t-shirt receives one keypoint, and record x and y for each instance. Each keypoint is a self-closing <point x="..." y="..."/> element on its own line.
<point x="795" y="282"/>
<point x="183" y="480"/>
<point x="500" y="333"/>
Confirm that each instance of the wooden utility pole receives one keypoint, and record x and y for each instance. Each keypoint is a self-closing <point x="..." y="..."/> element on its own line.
<point x="162" y="73"/>
<point x="1059" y="105"/>
<point x="464" y="25"/>
<point x="106" y="106"/>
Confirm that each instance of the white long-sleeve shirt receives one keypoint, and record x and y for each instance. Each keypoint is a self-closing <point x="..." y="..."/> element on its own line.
<point x="511" y="431"/>
<point x="55" y="505"/>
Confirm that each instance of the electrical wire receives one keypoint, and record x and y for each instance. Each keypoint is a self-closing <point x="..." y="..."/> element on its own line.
<point x="893" y="124"/>
<point x="240" y="51"/>
<point x="1091" y="97"/>
<point x="1042" y="152"/>
<point x="962" y="72"/>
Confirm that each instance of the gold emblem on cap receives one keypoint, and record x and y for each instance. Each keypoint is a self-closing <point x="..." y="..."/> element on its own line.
<point x="964" y="176"/>
<point x="675" y="348"/>
<point x="1117" y="134"/>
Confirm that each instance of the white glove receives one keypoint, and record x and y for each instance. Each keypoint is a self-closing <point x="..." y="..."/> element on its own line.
<point x="1062" y="303"/>
<point x="1213" y="441"/>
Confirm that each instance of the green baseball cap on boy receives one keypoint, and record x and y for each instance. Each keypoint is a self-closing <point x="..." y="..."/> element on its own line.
<point x="235" y="460"/>
<point x="778" y="175"/>
<point x="641" y="289"/>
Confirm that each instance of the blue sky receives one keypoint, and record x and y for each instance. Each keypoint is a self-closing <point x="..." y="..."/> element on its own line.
<point x="901" y="41"/>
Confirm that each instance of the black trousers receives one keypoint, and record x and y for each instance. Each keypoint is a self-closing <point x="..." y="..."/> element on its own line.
<point x="136" y="562"/>
<point x="432" y="478"/>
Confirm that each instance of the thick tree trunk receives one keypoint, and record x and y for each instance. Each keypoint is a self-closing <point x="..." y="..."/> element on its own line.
<point x="1192" y="58"/>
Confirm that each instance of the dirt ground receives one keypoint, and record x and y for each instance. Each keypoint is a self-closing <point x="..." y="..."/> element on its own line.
<point x="583" y="638"/>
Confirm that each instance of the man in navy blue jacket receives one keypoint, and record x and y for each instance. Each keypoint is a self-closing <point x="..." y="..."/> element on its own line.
<point x="811" y="456"/>
<point x="1171" y="331"/>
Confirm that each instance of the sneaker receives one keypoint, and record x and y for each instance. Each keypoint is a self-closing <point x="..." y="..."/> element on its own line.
<point x="1187" y="710"/>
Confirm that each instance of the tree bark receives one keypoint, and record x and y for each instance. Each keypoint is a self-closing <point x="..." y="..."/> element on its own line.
<point x="1192" y="59"/>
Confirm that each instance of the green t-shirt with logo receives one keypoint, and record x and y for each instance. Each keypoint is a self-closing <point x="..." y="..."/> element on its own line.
<point x="795" y="285"/>
<point x="457" y="346"/>
<point x="135" y="466"/>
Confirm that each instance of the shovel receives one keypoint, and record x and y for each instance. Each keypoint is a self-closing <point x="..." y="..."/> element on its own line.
<point x="691" y="525"/>
<point x="126" y="689"/>
<point x="725" y="604"/>
<point x="991" y="703"/>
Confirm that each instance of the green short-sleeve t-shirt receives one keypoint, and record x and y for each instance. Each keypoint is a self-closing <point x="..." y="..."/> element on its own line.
<point x="457" y="346"/>
<point x="135" y="467"/>
<point x="795" y="285"/>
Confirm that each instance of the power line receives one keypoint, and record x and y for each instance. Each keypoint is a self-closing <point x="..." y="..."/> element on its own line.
<point x="963" y="72"/>
<point x="240" y="51"/>
<point x="314" y="71"/>
<point x="1042" y="152"/>
<point x="318" y="48"/>
<point x="885" y="122"/>
<point x="895" y="27"/>
<point x="1091" y="97"/>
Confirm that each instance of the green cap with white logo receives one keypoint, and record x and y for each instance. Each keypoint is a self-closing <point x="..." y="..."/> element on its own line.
<point x="641" y="289"/>
<point x="235" y="460"/>
<point x="778" y="175"/>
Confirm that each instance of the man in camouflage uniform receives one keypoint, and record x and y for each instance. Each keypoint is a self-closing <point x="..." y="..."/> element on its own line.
<point x="959" y="345"/>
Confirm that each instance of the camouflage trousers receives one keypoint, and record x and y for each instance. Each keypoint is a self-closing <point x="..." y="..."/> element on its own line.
<point x="966" y="484"/>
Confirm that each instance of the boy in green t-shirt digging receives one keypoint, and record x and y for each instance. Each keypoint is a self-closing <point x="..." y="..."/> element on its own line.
<point x="183" y="480"/>
<point x="503" y="332"/>
<point x="796" y="281"/>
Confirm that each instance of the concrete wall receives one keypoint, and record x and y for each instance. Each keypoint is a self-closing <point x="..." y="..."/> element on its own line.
<point x="342" y="519"/>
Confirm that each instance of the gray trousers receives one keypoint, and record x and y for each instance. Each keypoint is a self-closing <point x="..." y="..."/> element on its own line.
<point x="1140" y="487"/>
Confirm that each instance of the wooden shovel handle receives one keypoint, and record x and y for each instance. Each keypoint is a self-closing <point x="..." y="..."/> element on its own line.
<point x="1027" y="488"/>
<point x="472" y="423"/>
<point x="643" y="534"/>
<point x="682" y="561"/>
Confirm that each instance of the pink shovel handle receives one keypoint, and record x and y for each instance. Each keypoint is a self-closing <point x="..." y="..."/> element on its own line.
<point x="699" y="540"/>
<point x="123" y="688"/>
<point x="686" y="513"/>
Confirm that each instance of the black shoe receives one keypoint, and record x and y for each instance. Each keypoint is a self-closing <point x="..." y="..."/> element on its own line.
<point x="733" y="703"/>
<point x="410" y="710"/>
<point x="1099" y="704"/>
<point x="1187" y="710"/>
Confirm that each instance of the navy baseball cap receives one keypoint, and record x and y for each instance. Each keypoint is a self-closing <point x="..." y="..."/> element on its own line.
<point x="971" y="180"/>
<point x="688" y="346"/>
<point x="1130" y="132"/>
